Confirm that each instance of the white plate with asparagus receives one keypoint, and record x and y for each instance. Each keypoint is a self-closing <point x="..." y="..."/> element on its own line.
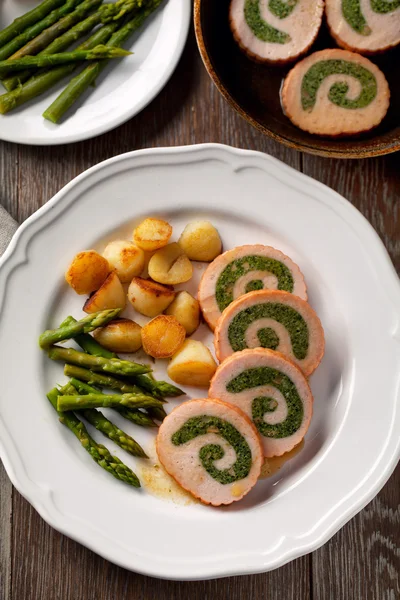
<point x="184" y="493"/>
<point x="83" y="67"/>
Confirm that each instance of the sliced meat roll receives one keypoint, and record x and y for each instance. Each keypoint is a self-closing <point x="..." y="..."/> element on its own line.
<point x="335" y="93"/>
<point x="211" y="449"/>
<point x="272" y="391"/>
<point x="366" y="26"/>
<point x="275" y="320"/>
<point x="245" y="269"/>
<point x="275" y="31"/>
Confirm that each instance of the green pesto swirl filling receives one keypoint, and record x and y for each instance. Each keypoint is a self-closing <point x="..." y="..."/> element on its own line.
<point x="241" y="266"/>
<point x="261" y="29"/>
<point x="337" y="93"/>
<point x="286" y="315"/>
<point x="209" y="453"/>
<point x="261" y="405"/>
<point x="351" y="10"/>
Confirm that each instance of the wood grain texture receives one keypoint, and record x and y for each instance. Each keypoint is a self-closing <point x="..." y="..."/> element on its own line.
<point x="362" y="561"/>
<point x="6" y="494"/>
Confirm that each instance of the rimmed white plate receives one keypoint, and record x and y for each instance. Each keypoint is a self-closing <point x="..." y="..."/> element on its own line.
<point x="122" y="91"/>
<point x="353" y="443"/>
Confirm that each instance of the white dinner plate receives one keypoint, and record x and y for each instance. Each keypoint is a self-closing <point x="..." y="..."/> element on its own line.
<point x="122" y="90"/>
<point x="352" y="445"/>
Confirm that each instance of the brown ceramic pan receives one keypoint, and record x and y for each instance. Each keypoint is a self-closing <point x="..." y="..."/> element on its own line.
<point x="253" y="89"/>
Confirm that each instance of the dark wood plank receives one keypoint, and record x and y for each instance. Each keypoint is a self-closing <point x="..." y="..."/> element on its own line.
<point x="9" y="178"/>
<point x="6" y="493"/>
<point x="363" y="560"/>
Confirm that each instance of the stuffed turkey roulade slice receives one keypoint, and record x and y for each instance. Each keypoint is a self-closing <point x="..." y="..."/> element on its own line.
<point x="211" y="449"/>
<point x="335" y="93"/>
<point x="243" y="270"/>
<point x="272" y="391"/>
<point x="275" y="31"/>
<point x="366" y="26"/>
<point x="275" y="320"/>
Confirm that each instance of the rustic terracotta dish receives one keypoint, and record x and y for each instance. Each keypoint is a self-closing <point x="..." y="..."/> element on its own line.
<point x="253" y="89"/>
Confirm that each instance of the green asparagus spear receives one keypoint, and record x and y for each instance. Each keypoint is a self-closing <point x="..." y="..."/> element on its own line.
<point x="97" y="363"/>
<point x="122" y="7"/>
<point x="104" y="381"/>
<point x="135" y="416"/>
<point x="132" y="414"/>
<point x="79" y="84"/>
<point x="98" y="452"/>
<point x="32" y="32"/>
<point x="159" y="389"/>
<point x="105" y="12"/>
<point x="106" y="427"/>
<point x="63" y="58"/>
<point x="157" y="412"/>
<point x="88" y="343"/>
<point x="28" y="19"/>
<point x="89" y="323"/>
<point x="71" y="402"/>
<point x="40" y="83"/>
<point x="51" y="33"/>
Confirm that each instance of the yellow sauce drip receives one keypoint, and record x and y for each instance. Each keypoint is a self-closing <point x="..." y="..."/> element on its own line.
<point x="158" y="483"/>
<point x="272" y="465"/>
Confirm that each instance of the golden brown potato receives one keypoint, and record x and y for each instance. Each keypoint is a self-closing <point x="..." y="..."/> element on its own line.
<point x="87" y="272"/>
<point x="152" y="234"/>
<point x="162" y="336"/>
<point x="170" y="265"/>
<point x="110" y="295"/>
<point x="148" y="297"/>
<point x="193" y="364"/>
<point x="186" y="309"/>
<point x="125" y="258"/>
<point x="120" y="335"/>
<point x="200" y="241"/>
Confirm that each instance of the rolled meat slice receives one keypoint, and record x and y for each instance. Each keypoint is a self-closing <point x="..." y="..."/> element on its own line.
<point x="275" y="31"/>
<point x="366" y="26"/>
<point x="335" y="93"/>
<point x="211" y="449"/>
<point x="244" y="269"/>
<point x="272" y="391"/>
<point x="275" y="320"/>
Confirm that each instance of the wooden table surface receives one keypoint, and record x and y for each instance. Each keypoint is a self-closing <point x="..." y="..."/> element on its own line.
<point x="362" y="561"/>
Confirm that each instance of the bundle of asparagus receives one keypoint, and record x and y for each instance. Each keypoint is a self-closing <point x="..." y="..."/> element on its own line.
<point x="32" y="49"/>
<point x="140" y="399"/>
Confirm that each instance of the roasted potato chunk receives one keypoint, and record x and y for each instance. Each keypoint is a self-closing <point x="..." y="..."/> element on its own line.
<point x="125" y="258"/>
<point x="170" y="265"/>
<point x="193" y="364"/>
<point x="120" y="335"/>
<point x="87" y="272"/>
<point x="200" y="241"/>
<point x="152" y="234"/>
<point x="110" y="295"/>
<point x="162" y="336"/>
<point x="186" y="309"/>
<point x="148" y="297"/>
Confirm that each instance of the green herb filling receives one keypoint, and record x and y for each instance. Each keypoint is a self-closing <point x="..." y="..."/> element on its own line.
<point x="261" y="29"/>
<point x="253" y="378"/>
<point x="209" y="453"/>
<point x="286" y="315"/>
<point x="351" y="10"/>
<point x="337" y="93"/>
<point x="241" y="266"/>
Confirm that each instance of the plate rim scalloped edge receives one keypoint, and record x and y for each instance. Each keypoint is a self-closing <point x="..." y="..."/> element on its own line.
<point x="40" y="501"/>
